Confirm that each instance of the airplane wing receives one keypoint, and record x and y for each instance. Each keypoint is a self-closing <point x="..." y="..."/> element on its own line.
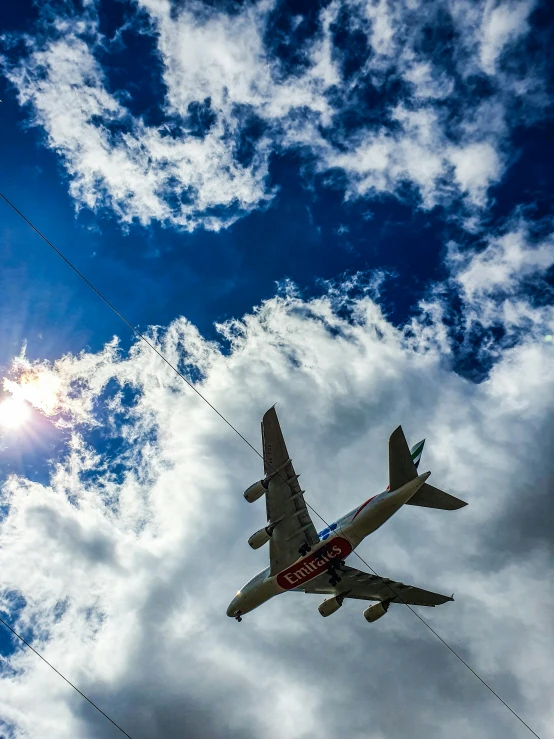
<point x="363" y="586"/>
<point x="284" y="499"/>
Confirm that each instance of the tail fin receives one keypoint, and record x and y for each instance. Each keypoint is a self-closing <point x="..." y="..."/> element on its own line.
<point x="415" y="452"/>
<point x="403" y="464"/>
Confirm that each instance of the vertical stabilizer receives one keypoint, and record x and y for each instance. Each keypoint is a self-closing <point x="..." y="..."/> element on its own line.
<point x="401" y="466"/>
<point x="416" y="451"/>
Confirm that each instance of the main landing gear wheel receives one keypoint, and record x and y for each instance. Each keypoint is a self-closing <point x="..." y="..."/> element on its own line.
<point x="334" y="575"/>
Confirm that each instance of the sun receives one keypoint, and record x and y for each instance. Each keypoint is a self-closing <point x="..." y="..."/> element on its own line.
<point x="13" y="413"/>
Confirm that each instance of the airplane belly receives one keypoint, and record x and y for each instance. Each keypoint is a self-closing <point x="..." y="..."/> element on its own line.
<point x="313" y="564"/>
<point x="263" y="593"/>
<point x="376" y="511"/>
<point x="370" y="519"/>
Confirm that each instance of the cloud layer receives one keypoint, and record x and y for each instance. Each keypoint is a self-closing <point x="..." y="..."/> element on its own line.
<point x="385" y="98"/>
<point x="121" y="565"/>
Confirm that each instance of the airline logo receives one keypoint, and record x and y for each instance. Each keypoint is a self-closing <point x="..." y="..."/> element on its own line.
<point x="314" y="564"/>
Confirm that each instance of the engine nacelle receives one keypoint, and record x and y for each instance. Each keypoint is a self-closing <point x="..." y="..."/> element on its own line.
<point x="330" y="605"/>
<point x="256" y="490"/>
<point x="260" y="538"/>
<point x="372" y="613"/>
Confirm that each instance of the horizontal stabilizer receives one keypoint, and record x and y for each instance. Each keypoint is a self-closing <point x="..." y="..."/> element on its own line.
<point x="431" y="497"/>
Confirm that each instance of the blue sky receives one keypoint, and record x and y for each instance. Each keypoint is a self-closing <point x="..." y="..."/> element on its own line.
<point x="240" y="175"/>
<point x="308" y="233"/>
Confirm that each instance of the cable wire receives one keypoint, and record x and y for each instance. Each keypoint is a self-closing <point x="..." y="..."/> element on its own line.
<point x="431" y="629"/>
<point x="128" y="323"/>
<point x="64" y="678"/>
<point x="203" y="397"/>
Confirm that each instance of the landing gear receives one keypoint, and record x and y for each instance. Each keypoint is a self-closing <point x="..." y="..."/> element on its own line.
<point x="304" y="549"/>
<point x="335" y="577"/>
<point x="334" y="570"/>
<point x="238" y="616"/>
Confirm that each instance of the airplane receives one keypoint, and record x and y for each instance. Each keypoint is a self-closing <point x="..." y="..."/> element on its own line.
<point x="303" y="560"/>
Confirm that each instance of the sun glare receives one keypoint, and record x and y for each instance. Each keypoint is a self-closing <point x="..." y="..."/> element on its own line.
<point x="13" y="413"/>
<point x="39" y="389"/>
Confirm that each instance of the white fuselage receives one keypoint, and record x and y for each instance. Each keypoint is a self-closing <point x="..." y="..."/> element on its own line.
<point x="336" y="543"/>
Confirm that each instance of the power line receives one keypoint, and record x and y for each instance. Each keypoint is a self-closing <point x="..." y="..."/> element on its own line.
<point x="203" y="397"/>
<point x="128" y="323"/>
<point x="64" y="678"/>
<point x="431" y="629"/>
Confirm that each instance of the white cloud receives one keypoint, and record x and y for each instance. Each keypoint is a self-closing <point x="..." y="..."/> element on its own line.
<point x="503" y="24"/>
<point x="380" y="162"/>
<point x="492" y="281"/>
<point x="224" y="58"/>
<point x="127" y="577"/>
<point x="427" y="83"/>
<point x="382" y="27"/>
<point x="136" y="171"/>
<point x="476" y="167"/>
<point x="506" y="259"/>
<point x="172" y="174"/>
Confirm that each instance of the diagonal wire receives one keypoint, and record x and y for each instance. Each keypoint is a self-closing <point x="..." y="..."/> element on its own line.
<point x="128" y="323"/>
<point x="203" y="397"/>
<point x="64" y="678"/>
<point x="431" y="629"/>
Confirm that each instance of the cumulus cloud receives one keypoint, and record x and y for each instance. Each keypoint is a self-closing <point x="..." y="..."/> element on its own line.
<point x="506" y="259"/>
<point x="123" y="562"/>
<point x="476" y="166"/>
<point x="503" y="24"/>
<point x="113" y="159"/>
<point x="228" y="99"/>
<point x="503" y="285"/>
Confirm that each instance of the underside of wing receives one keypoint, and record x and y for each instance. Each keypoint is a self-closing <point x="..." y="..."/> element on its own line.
<point x="364" y="586"/>
<point x="431" y="497"/>
<point x="286" y="508"/>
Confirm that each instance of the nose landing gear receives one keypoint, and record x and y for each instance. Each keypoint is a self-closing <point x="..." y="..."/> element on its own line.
<point x="238" y="616"/>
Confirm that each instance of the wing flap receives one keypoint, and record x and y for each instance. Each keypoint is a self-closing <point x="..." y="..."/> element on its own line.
<point x="365" y="586"/>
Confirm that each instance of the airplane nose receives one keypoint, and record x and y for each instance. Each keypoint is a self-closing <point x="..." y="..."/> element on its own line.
<point x="233" y="607"/>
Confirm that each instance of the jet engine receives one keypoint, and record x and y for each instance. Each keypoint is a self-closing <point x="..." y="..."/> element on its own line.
<point x="372" y="613"/>
<point x="330" y="605"/>
<point x="262" y="536"/>
<point x="256" y="490"/>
